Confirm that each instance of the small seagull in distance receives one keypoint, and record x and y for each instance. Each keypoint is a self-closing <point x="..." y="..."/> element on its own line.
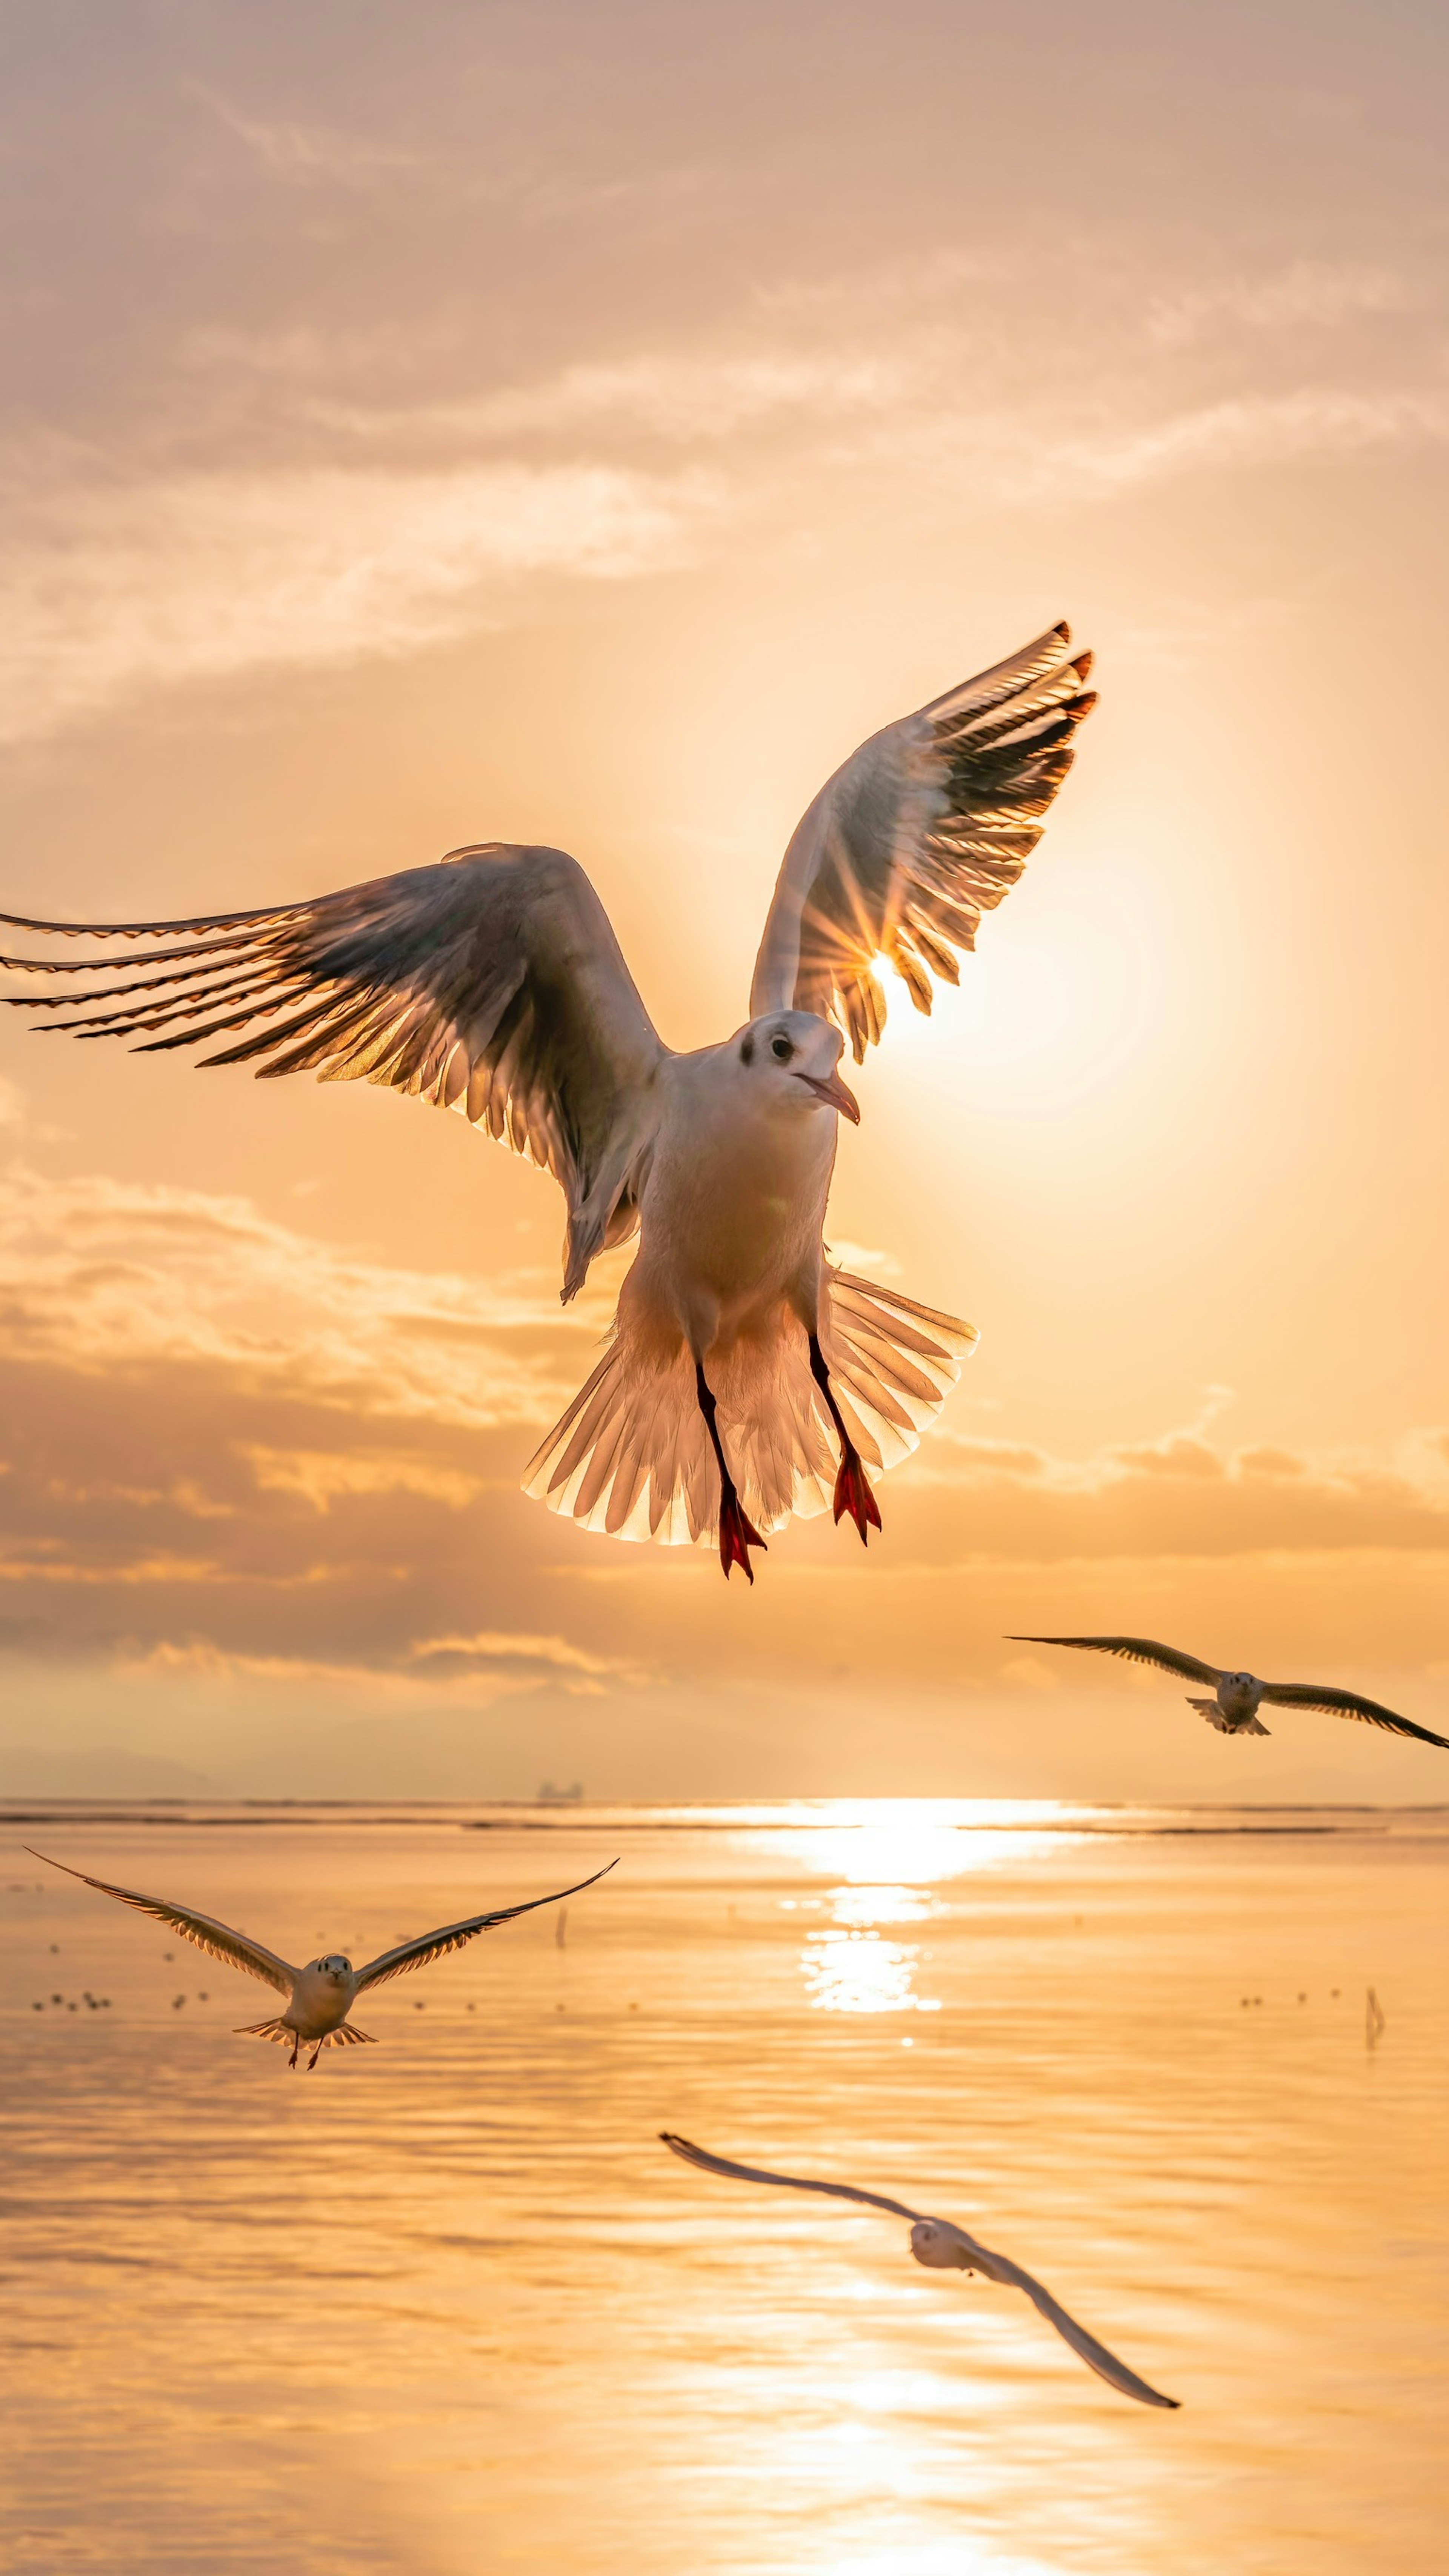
<point x="321" y="1995"/>
<point x="944" y="2247"/>
<point x="1238" y="1696"/>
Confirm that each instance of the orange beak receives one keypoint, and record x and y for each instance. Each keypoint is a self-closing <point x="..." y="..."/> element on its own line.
<point x="836" y="1095"/>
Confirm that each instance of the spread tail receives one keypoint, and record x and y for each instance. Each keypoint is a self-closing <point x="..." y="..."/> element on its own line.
<point x="1227" y="1725"/>
<point x="631" y="1455"/>
<point x="343" y="2037"/>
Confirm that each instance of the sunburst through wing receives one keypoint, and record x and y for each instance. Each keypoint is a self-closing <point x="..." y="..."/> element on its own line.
<point x="922" y="830"/>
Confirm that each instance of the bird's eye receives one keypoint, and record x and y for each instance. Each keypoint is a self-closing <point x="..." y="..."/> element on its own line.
<point x="781" y="1050"/>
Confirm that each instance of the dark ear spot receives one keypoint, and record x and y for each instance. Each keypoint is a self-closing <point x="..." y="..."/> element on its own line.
<point x="747" y="1052"/>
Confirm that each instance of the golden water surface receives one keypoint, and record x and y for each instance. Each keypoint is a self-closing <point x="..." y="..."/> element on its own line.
<point x="446" y="2306"/>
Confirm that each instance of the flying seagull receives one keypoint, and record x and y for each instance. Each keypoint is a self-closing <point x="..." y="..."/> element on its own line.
<point x="321" y="1995"/>
<point x="1233" y="1710"/>
<point x="944" y="2247"/>
<point x="743" y="1369"/>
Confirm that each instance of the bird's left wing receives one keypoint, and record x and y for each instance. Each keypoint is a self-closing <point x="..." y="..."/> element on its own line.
<point x="491" y="983"/>
<point x="1342" y="1703"/>
<point x="999" y="2267"/>
<point x="1135" y="1650"/>
<point x="926" y="827"/>
<point x="218" y="1940"/>
<point x="434" y="1945"/>
<point x="793" y="2182"/>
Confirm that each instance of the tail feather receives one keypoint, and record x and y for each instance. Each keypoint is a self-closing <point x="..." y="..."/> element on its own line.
<point x="631" y="1454"/>
<point x="345" y="2036"/>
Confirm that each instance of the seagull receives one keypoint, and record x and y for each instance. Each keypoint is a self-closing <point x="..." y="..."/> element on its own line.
<point x="321" y="1995"/>
<point x="944" y="2247"/>
<point x="742" y="1366"/>
<point x="1233" y="1710"/>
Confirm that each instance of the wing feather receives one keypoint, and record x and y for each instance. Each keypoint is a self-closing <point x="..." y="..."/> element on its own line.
<point x="925" y="827"/>
<point x="491" y="983"/>
<point x="996" y="2267"/>
<point x="1135" y="1650"/>
<point x="707" y="2163"/>
<point x="1342" y="1703"/>
<point x="999" y="2267"/>
<point x="218" y="1940"/>
<point x="435" y="1945"/>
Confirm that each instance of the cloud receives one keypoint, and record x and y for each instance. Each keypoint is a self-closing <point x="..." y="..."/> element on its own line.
<point x="683" y="396"/>
<point x="1181" y="1497"/>
<point x="212" y="576"/>
<point x="232" y="1451"/>
<point x="1240" y="433"/>
<point x="1317" y="294"/>
<point x="309" y="152"/>
<point x="101" y="1276"/>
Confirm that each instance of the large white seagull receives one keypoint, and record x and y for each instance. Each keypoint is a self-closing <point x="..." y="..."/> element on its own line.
<point x="745" y="1378"/>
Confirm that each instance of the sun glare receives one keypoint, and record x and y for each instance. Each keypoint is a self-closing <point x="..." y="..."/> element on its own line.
<point x="903" y="1844"/>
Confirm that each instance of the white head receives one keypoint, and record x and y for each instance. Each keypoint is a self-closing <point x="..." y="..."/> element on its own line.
<point x="937" y="2246"/>
<point x="335" y="1967"/>
<point x="1241" y="1681"/>
<point x="791" y="1060"/>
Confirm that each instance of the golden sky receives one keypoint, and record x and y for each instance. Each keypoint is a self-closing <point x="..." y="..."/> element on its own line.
<point x="583" y="424"/>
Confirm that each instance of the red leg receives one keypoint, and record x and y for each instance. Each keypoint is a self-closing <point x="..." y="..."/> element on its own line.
<point x="852" y="1486"/>
<point x="737" y="1535"/>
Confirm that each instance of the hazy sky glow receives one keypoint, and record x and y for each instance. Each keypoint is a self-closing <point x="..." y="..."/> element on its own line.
<point x="584" y="424"/>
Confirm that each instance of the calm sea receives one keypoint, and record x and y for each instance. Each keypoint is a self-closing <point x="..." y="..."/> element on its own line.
<point x="446" y="2307"/>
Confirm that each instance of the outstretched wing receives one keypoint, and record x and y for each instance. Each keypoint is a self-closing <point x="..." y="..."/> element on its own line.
<point x="792" y="2182"/>
<point x="491" y="983"/>
<point x="1341" y="1703"/>
<point x="999" y="2267"/>
<point x="217" y="1939"/>
<point x="926" y="827"/>
<point x="434" y="1945"/>
<point x="1134" y="1650"/>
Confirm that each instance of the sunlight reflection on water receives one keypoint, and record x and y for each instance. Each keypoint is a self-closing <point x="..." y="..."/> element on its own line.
<point x="857" y="1972"/>
<point x="448" y="2305"/>
<point x="922" y="1841"/>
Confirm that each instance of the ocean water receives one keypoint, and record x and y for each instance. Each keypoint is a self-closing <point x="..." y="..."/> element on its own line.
<point x="446" y="2306"/>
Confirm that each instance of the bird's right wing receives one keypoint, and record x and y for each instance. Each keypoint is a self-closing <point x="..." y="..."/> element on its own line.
<point x="1345" y="1703"/>
<point x="999" y="2267"/>
<point x="451" y="1936"/>
<point x="922" y="830"/>
<point x="1135" y="1650"/>
<point x="491" y="983"/>
<point x="707" y="2163"/>
<point x="217" y="1939"/>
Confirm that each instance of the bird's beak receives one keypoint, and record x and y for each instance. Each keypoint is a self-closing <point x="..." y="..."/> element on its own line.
<point x="835" y="1094"/>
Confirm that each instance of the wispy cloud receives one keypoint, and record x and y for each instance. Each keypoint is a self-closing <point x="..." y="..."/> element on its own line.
<point x="677" y="395"/>
<point x="1317" y="294"/>
<point x="101" y="1275"/>
<point x="303" y="151"/>
<point x="1248" y="430"/>
<point x="111" y="593"/>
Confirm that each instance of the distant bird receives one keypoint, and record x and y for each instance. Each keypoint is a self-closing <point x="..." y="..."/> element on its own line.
<point x="1239" y="1696"/>
<point x="944" y="2247"/>
<point x="743" y="1371"/>
<point x="321" y="1995"/>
